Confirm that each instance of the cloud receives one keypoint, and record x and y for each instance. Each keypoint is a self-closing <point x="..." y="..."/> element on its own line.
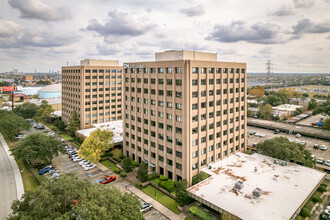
<point x="266" y="50"/>
<point x="307" y="26"/>
<point x="193" y="11"/>
<point x="283" y="11"/>
<point x="120" y="26"/>
<point x="8" y="28"/>
<point x="35" y="38"/>
<point x="35" y="9"/>
<point x="303" y="3"/>
<point x="262" y="33"/>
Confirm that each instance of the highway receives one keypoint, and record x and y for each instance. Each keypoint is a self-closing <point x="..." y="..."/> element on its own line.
<point x="7" y="184"/>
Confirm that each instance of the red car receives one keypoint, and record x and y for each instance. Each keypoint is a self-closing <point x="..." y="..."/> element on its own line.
<point x="108" y="179"/>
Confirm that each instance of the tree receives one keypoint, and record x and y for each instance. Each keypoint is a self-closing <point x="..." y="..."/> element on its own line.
<point x="37" y="146"/>
<point x="60" y="124"/>
<point x="324" y="108"/>
<point x="250" y="113"/>
<point x="73" y="125"/>
<point x="182" y="196"/>
<point x="142" y="173"/>
<point x="199" y="177"/>
<point x="257" y="91"/>
<point x="326" y="123"/>
<point x="71" y="198"/>
<point x="298" y="111"/>
<point x="127" y="165"/>
<point x="305" y="95"/>
<point x="11" y="124"/>
<point x="312" y="105"/>
<point x="282" y="148"/>
<point x="98" y="142"/>
<point x="266" y="111"/>
<point x="26" y="110"/>
<point x="44" y="112"/>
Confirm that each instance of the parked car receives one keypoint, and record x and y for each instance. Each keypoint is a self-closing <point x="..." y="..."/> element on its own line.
<point x="320" y="160"/>
<point x="303" y="142"/>
<point x="313" y="156"/>
<point x="323" y="147"/>
<point x="45" y="170"/>
<point x="83" y="162"/>
<point x="55" y="176"/>
<point x="62" y="140"/>
<point x="256" y="134"/>
<point x="108" y="179"/>
<point x="89" y="167"/>
<point x="327" y="163"/>
<point x="53" y="170"/>
<point x="252" y="133"/>
<point x="298" y="135"/>
<point x="86" y="164"/>
<point x="51" y="133"/>
<point x="296" y="141"/>
<point x="45" y="131"/>
<point x="77" y="159"/>
<point x="146" y="207"/>
<point x="316" y="146"/>
<point x="262" y="135"/>
<point x="19" y="137"/>
<point x="290" y="140"/>
<point x="277" y="131"/>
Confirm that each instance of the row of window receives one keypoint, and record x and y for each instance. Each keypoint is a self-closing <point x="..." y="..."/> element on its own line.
<point x="102" y="83"/>
<point x="102" y="114"/>
<point x="103" y="120"/>
<point x="102" y="108"/>
<point x="104" y="77"/>
<point x="178" y="70"/>
<point x="218" y="103"/>
<point x="100" y="90"/>
<point x="103" y="71"/>
<point x="194" y="82"/>
<point x="178" y="82"/>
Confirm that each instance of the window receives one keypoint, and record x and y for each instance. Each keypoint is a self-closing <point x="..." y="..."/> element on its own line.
<point x="178" y="106"/>
<point x="178" y="82"/>
<point x="178" y="94"/>
<point x="203" y="151"/>
<point x="169" y="70"/>
<point x="194" y="82"/>
<point x="178" y="166"/>
<point x="169" y="162"/>
<point x="194" y="154"/>
<point x="178" y="70"/>
<point x="169" y="104"/>
<point x="194" y="106"/>
<point x="169" y="150"/>
<point x="169" y="81"/>
<point x="194" y="94"/>
<point x="194" y="166"/>
<point x="195" y="70"/>
<point x="160" y="70"/>
<point x="178" y="118"/>
<point x="203" y="162"/>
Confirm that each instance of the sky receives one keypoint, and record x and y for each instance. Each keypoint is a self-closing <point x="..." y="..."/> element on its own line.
<point x="45" y="35"/>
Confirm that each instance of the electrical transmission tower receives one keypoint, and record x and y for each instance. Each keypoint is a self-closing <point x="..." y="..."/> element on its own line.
<point x="269" y="68"/>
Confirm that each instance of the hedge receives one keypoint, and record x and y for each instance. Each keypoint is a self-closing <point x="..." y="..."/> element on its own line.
<point x="169" y="185"/>
<point x="163" y="178"/>
<point x="305" y="213"/>
<point x="122" y="174"/>
<point x="153" y="176"/>
<point x="317" y="199"/>
<point x="134" y="163"/>
<point x="322" y="189"/>
<point x="117" y="171"/>
<point x="201" y="214"/>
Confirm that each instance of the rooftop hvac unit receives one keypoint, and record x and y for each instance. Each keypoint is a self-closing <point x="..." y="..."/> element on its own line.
<point x="257" y="192"/>
<point x="239" y="185"/>
<point x="210" y="167"/>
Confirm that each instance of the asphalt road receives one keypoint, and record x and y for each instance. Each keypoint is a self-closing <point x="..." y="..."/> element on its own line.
<point x="7" y="185"/>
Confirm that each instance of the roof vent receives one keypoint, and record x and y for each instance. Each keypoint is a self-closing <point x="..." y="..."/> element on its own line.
<point x="257" y="192"/>
<point x="239" y="185"/>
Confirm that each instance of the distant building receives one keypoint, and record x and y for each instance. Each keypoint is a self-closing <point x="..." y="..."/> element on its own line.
<point x="93" y="90"/>
<point x="302" y="102"/>
<point x="27" y="78"/>
<point x="51" y="91"/>
<point x="19" y="97"/>
<point x="285" y="111"/>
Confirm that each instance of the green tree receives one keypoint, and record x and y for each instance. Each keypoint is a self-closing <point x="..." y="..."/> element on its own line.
<point x="266" y="111"/>
<point x="182" y="196"/>
<point x="127" y="165"/>
<point x="312" y="105"/>
<point x="282" y="148"/>
<point x="298" y="111"/>
<point x="37" y="146"/>
<point x="60" y="124"/>
<point x="71" y="198"/>
<point x="305" y="95"/>
<point x="142" y="173"/>
<point x="44" y="112"/>
<point x="326" y="123"/>
<point x="73" y="125"/>
<point x="11" y="124"/>
<point x="26" y="110"/>
<point x="250" y="113"/>
<point x="199" y="177"/>
<point x="324" y="108"/>
<point x="98" y="142"/>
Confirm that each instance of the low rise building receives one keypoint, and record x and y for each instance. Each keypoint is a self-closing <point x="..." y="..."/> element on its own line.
<point x="257" y="187"/>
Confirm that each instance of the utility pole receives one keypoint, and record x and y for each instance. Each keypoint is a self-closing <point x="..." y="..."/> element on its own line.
<point x="269" y="71"/>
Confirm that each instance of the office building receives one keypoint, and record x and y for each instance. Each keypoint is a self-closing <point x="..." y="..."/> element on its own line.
<point x="94" y="90"/>
<point x="183" y="111"/>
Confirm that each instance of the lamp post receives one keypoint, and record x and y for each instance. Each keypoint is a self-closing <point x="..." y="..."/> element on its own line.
<point x="155" y="192"/>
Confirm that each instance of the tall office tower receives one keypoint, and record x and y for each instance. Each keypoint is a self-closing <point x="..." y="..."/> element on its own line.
<point x="184" y="111"/>
<point x="94" y="90"/>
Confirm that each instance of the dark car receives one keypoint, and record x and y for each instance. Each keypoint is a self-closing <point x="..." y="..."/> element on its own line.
<point x="108" y="179"/>
<point x="316" y="146"/>
<point x="277" y="131"/>
<point x="252" y="133"/>
<point x="45" y="170"/>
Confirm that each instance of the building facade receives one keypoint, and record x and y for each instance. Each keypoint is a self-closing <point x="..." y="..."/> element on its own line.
<point x="93" y="90"/>
<point x="183" y="111"/>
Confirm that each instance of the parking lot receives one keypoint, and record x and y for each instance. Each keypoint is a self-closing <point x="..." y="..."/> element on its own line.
<point x="252" y="139"/>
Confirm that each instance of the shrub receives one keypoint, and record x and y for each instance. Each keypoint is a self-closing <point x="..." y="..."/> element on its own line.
<point x="127" y="165"/>
<point x="117" y="171"/>
<point x="122" y="156"/>
<point x="138" y="185"/>
<point x="316" y="199"/>
<point x="134" y="163"/>
<point x="122" y="174"/>
<point x="201" y="214"/>
<point x="325" y="185"/>
<point x="153" y="176"/>
<point x="169" y="185"/>
<point x="322" y="189"/>
<point x="305" y="213"/>
<point x="163" y="178"/>
<point x="187" y="218"/>
<point x="199" y="177"/>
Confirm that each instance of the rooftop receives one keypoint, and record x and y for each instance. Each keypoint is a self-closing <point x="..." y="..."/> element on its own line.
<point x="284" y="188"/>
<point x="185" y="55"/>
<point x="93" y="62"/>
<point x="115" y="126"/>
<point x="287" y="107"/>
<point x="51" y="88"/>
<point x="51" y="101"/>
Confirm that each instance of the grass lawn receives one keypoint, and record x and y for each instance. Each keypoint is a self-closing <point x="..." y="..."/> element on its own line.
<point x="156" y="181"/>
<point x="66" y="137"/>
<point x="106" y="164"/>
<point x="29" y="182"/>
<point x="167" y="201"/>
<point x="77" y="146"/>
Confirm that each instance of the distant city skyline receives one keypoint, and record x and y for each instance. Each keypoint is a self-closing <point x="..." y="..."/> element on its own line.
<point x="43" y="35"/>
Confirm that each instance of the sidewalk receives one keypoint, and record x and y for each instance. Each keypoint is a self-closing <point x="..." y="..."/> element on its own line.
<point x="17" y="173"/>
<point x="162" y="209"/>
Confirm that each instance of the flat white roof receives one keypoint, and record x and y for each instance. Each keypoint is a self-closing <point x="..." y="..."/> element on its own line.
<point x="287" y="107"/>
<point x="115" y="126"/>
<point x="280" y="198"/>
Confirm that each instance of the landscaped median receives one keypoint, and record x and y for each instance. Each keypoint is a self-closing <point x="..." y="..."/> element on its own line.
<point x="162" y="198"/>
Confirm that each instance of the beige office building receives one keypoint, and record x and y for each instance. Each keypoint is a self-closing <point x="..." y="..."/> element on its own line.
<point x="94" y="90"/>
<point x="183" y="111"/>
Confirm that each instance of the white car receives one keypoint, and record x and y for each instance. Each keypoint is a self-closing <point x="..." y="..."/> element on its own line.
<point x="298" y="135"/>
<point x="296" y="141"/>
<point x="83" y="161"/>
<point x="303" y="142"/>
<point x="323" y="147"/>
<point x="257" y="134"/>
<point x="77" y="159"/>
<point x="290" y="140"/>
<point x="313" y="156"/>
<point x="89" y="167"/>
<point x="86" y="164"/>
<point x="146" y="207"/>
<point x="320" y="161"/>
<point x="51" y="133"/>
<point x="327" y="163"/>
<point x="262" y="135"/>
